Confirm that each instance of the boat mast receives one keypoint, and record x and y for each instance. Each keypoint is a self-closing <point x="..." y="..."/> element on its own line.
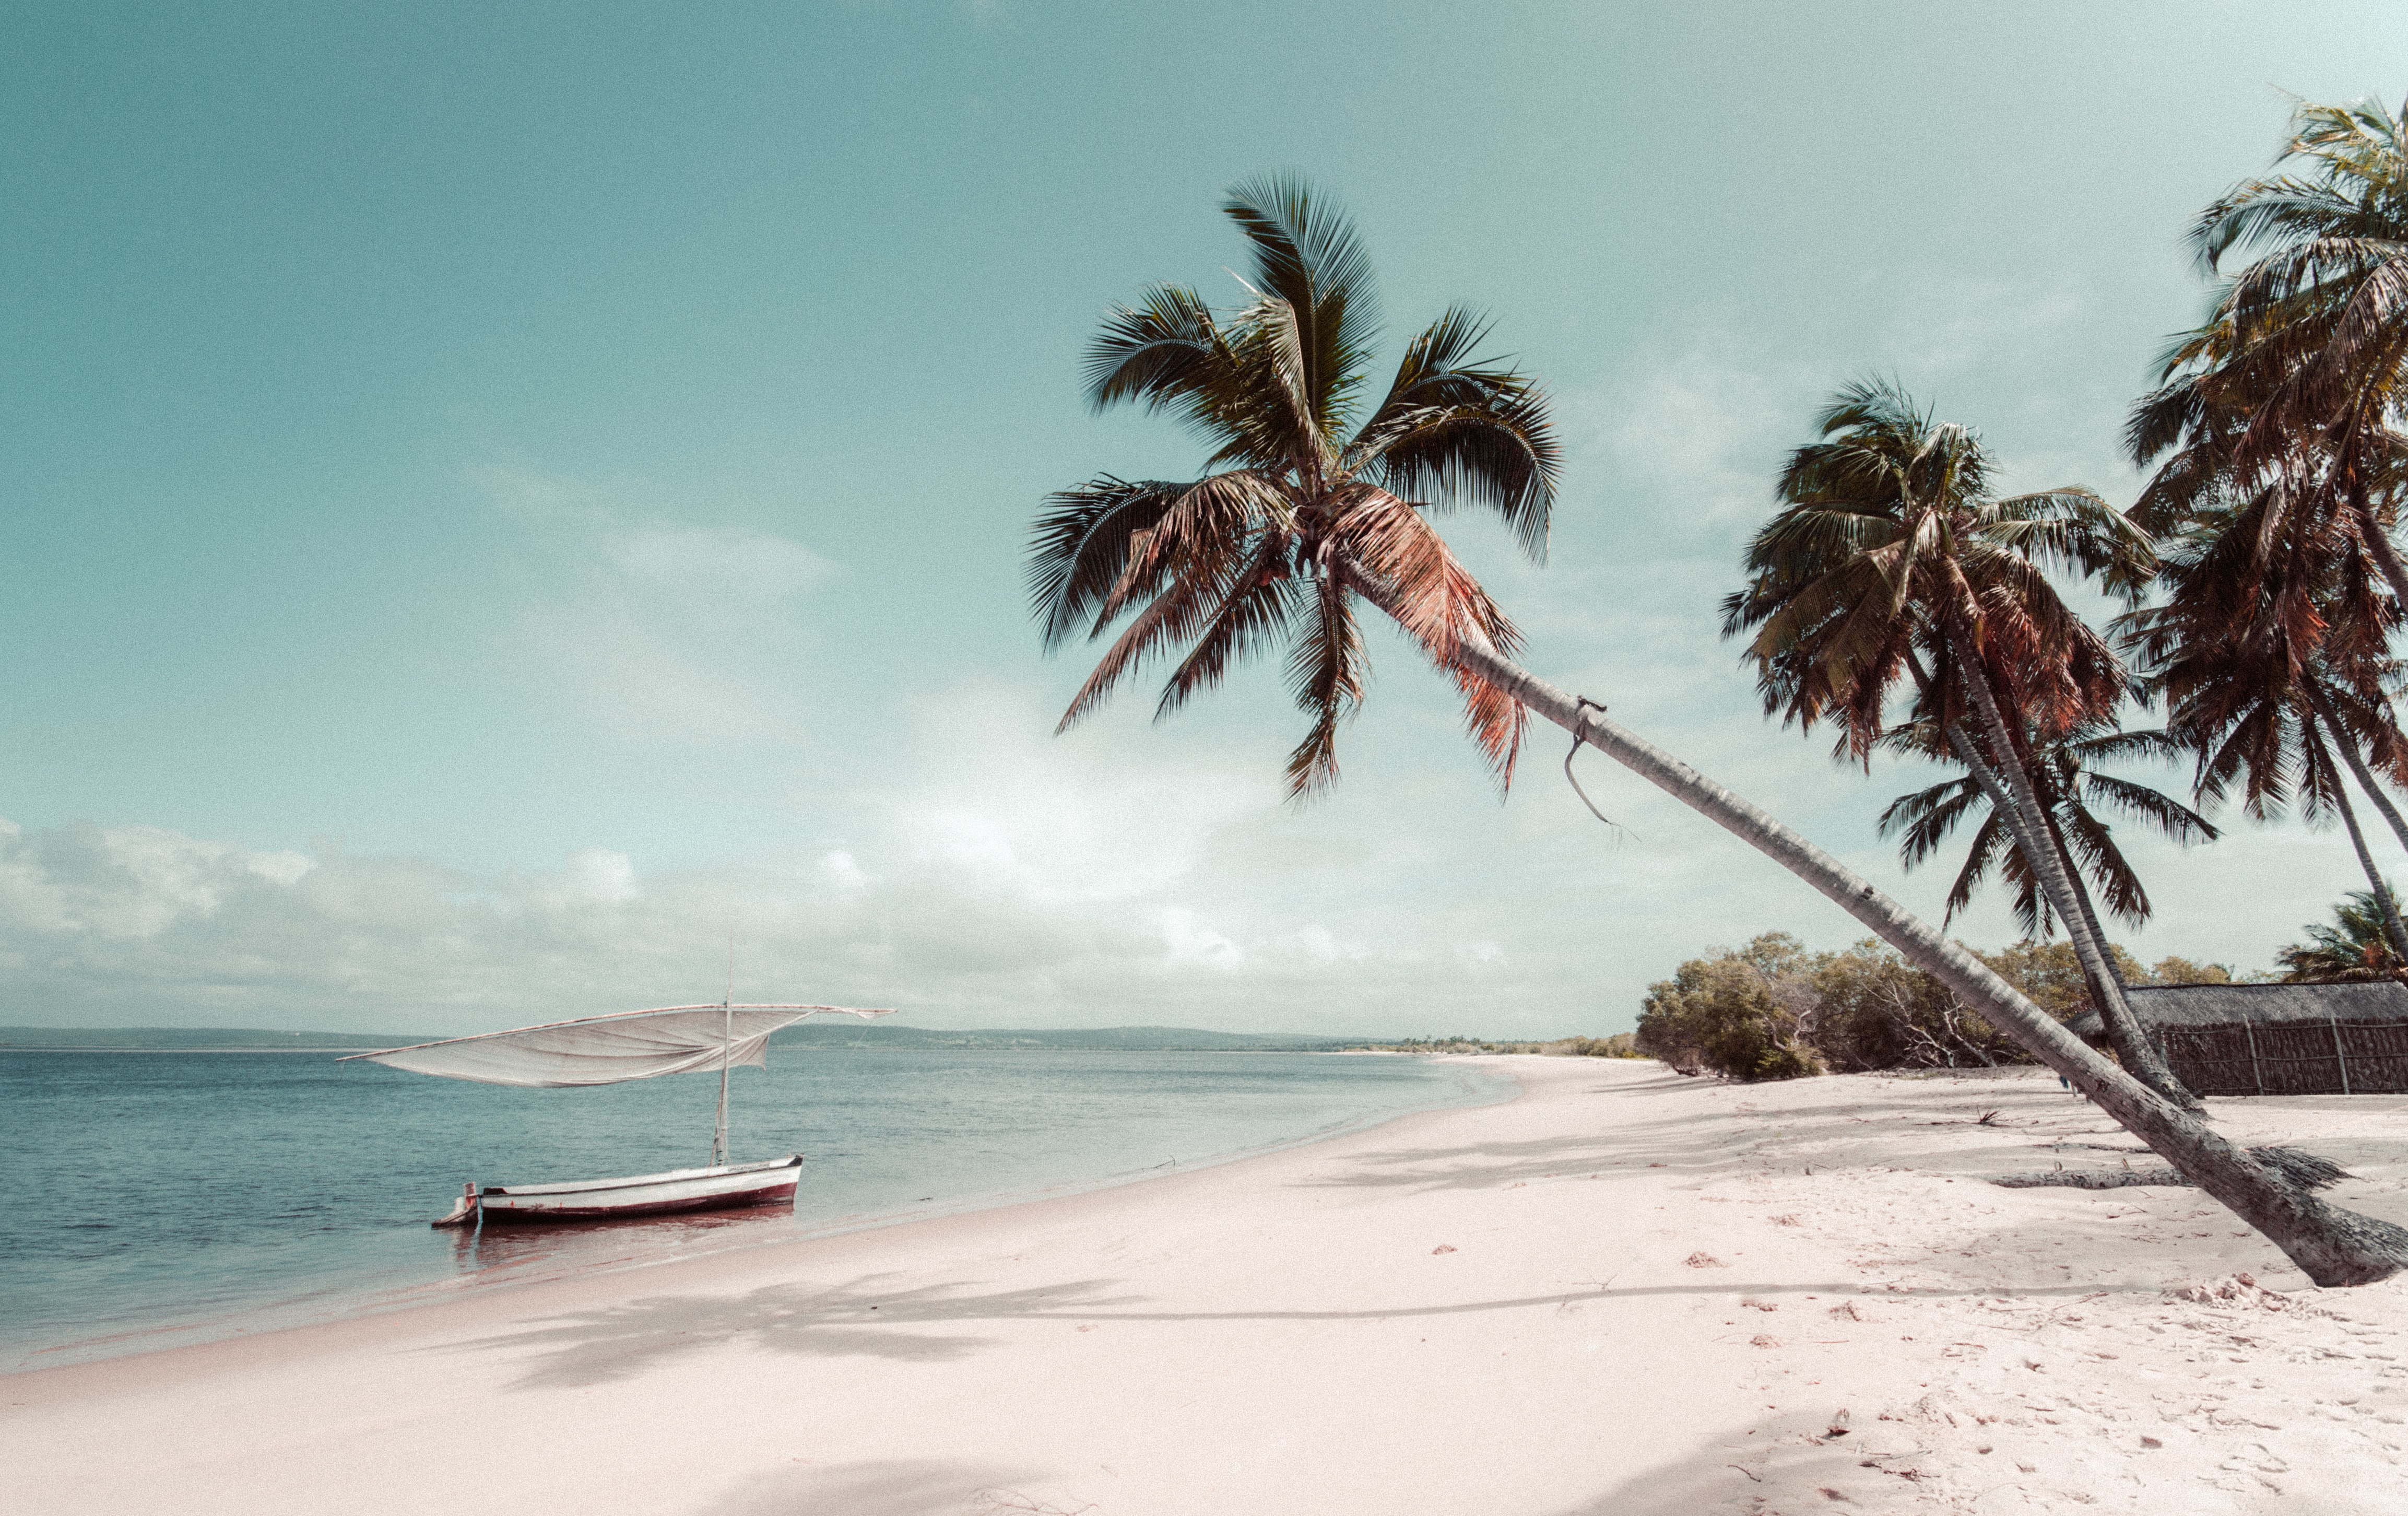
<point x="726" y="1036"/>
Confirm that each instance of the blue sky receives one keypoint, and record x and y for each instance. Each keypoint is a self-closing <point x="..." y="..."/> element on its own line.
<point x="499" y="497"/>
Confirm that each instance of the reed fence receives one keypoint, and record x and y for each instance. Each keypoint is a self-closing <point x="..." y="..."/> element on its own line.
<point x="2331" y="1056"/>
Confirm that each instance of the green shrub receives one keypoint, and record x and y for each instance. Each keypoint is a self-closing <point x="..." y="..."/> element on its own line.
<point x="1774" y="1011"/>
<point x="1742" y="1015"/>
<point x="1621" y="1044"/>
<point x="1877" y="1011"/>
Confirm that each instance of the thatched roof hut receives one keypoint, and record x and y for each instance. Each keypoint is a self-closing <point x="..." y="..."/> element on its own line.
<point x="2202" y="1005"/>
<point x="2276" y="1039"/>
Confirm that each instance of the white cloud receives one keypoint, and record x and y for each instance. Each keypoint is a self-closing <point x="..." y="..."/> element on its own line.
<point x="1941" y="327"/>
<point x="284" y="867"/>
<point x="840" y="869"/>
<point x="979" y="893"/>
<point x="662" y="635"/>
<point x="1693" y="437"/>
<point x="714" y="567"/>
<point x="1191" y="942"/>
<point x="952" y="856"/>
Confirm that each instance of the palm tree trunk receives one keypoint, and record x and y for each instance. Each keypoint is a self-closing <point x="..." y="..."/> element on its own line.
<point x="2002" y="802"/>
<point x="2385" y="555"/>
<point x="2392" y="927"/>
<point x="2186" y="1100"/>
<point x="2379" y="545"/>
<point x="2051" y="867"/>
<point x="2333" y="1246"/>
<point x="2356" y="762"/>
<point x="2090" y="912"/>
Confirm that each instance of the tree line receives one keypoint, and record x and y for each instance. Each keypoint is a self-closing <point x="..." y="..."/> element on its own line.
<point x="1894" y="595"/>
<point x="1773" y="1010"/>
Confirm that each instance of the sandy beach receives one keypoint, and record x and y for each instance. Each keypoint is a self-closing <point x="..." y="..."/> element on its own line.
<point x="1622" y="1291"/>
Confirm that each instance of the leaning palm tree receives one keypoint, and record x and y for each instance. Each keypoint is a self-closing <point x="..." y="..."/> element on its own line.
<point x="2076" y="795"/>
<point x="2356" y="948"/>
<point x="1891" y="558"/>
<point x="1201" y="564"/>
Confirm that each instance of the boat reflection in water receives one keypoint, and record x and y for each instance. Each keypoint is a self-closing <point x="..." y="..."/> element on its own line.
<point x="615" y="1050"/>
<point x="517" y="1254"/>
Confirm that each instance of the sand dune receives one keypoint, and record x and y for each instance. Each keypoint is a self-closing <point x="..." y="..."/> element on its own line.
<point x="1623" y="1293"/>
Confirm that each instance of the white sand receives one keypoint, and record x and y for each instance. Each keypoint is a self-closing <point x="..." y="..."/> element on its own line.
<point x="1512" y="1308"/>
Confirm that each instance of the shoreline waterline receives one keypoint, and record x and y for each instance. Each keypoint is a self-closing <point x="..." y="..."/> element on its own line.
<point x="1661" y="1295"/>
<point x="514" y="1258"/>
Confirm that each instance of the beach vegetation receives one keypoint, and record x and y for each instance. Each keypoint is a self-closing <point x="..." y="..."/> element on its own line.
<point x="1620" y="1044"/>
<point x="1746" y="1013"/>
<point x="1773" y="1010"/>
<point x="1877" y="1011"/>
<point x="1457" y="1044"/>
<point x="2182" y="971"/>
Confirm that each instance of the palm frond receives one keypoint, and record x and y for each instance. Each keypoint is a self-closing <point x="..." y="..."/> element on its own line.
<point x="1462" y="434"/>
<point x="1081" y="544"/>
<point x="1307" y="255"/>
<point x="1255" y="613"/>
<point x="1388" y="553"/>
<point x="1324" y="673"/>
<point x="2172" y="820"/>
<point x="1160" y="352"/>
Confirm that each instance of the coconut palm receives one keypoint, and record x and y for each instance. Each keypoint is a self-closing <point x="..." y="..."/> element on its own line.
<point x="2271" y="648"/>
<point x="2356" y="947"/>
<point x="2276" y="739"/>
<point x="1312" y="501"/>
<point x="1891" y="558"/>
<point x="2274" y="623"/>
<point x="1267" y="385"/>
<point x="2069" y="779"/>
<point x="2315" y="330"/>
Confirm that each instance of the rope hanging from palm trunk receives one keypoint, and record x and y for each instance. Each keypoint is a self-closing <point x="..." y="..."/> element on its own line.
<point x="1580" y="735"/>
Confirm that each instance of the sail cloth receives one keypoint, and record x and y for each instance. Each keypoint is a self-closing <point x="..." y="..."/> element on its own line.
<point x="610" y="1049"/>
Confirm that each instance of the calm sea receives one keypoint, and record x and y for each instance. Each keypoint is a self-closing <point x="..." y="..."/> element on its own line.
<point x="153" y="1199"/>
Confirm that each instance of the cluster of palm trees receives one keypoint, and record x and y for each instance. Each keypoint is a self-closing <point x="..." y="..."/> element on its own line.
<point x="2259" y="582"/>
<point x="2277" y="481"/>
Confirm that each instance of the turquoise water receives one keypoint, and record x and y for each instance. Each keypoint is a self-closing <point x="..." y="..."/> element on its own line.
<point x="152" y="1199"/>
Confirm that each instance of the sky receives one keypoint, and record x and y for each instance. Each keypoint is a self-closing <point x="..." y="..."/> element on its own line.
<point x="504" y="501"/>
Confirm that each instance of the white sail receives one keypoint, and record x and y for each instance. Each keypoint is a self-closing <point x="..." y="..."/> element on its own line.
<point x="610" y="1049"/>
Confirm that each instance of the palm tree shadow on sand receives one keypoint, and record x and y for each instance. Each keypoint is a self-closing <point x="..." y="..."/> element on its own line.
<point x="1692" y="1488"/>
<point x="897" y="1487"/>
<point x="1712" y="1140"/>
<point x="855" y="1320"/>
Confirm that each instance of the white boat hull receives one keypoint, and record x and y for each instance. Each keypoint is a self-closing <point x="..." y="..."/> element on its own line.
<point x="725" y="1187"/>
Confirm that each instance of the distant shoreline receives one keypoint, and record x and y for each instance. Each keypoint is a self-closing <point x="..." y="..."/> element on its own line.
<point x="1132" y="1039"/>
<point x="920" y="1047"/>
<point x="230" y="1047"/>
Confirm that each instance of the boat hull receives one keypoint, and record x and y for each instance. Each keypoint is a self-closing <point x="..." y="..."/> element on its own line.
<point x="726" y="1187"/>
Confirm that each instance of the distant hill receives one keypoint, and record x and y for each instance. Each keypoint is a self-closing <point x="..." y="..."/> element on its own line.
<point x="201" y="1039"/>
<point x="845" y="1032"/>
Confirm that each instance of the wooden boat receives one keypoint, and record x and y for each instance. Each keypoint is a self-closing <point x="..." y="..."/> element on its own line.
<point x="614" y="1050"/>
<point x="725" y="1187"/>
